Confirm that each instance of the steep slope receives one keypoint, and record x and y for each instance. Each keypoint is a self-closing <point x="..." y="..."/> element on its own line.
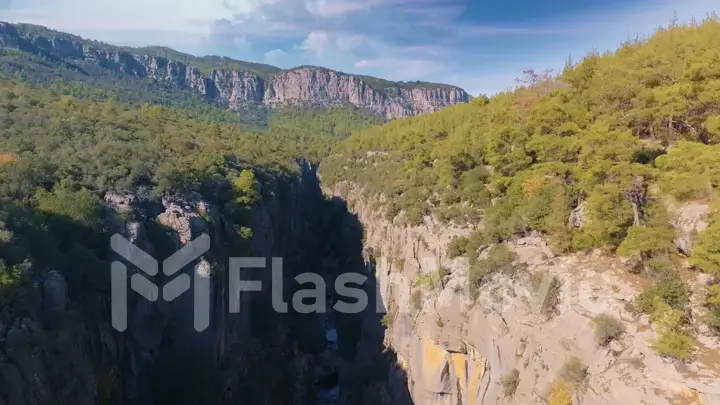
<point x="234" y="84"/>
<point x="558" y="242"/>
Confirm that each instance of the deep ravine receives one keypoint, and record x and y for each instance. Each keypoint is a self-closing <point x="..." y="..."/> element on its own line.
<point x="266" y="357"/>
<point x="63" y="350"/>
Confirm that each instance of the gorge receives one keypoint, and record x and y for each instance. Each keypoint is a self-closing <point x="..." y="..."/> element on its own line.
<point x="554" y="244"/>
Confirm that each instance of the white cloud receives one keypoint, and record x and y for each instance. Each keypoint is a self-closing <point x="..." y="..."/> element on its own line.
<point x="316" y="42"/>
<point x="176" y="15"/>
<point x="364" y="63"/>
<point x="333" y="8"/>
<point x="402" y="69"/>
<point x="275" y="56"/>
<point x="354" y="42"/>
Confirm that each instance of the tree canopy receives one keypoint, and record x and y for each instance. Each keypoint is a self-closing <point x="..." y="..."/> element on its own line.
<point x="598" y="137"/>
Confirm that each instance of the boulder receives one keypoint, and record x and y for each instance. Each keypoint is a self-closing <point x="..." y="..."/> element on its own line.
<point x="691" y="219"/>
<point x="183" y="216"/>
<point x="577" y="216"/>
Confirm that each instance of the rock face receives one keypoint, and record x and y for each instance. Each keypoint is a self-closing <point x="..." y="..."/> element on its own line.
<point x="456" y="350"/>
<point x="165" y="225"/>
<point x="689" y="220"/>
<point x="57" y="350"/>
<point x="234" y="88"/>
<point x="327" y="87"/>
<point x="47" y="362"/>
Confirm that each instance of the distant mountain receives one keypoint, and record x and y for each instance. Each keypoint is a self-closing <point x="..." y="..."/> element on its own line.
<point x="39" y="54"/>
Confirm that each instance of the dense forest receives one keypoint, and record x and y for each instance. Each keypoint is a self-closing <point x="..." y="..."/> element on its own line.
<point x="62" y="147"/>
<point x="613" y="139"/>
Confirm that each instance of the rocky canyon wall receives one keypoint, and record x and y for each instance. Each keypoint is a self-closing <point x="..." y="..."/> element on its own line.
<point x="237" y="88"/>
<point x="459" y="350"/>
<point x="62" y="348"/>
<point x="59" y="349"/>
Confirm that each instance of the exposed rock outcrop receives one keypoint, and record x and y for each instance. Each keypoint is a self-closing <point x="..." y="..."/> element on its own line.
<point x="689" y="220"/>
<point x="235" y="88"/>
<point x="456" y="350"/>
<point x="327" y="87"/>
<point x="49" y="361"/>
<point x="54" y="350"/>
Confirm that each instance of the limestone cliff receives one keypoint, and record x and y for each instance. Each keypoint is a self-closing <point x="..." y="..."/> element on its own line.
<point x="54" y="350"/>
<point x="234" y="87"/>
<point x="457" y="350"/>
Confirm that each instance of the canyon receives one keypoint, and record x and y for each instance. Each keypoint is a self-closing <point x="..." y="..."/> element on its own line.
<point x="252" y="354"/>
<point x="535" y="247"/>
<point x="443" y="349"/>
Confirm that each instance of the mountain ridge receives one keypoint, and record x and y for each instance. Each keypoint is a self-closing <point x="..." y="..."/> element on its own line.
<point x="233" y="83"/>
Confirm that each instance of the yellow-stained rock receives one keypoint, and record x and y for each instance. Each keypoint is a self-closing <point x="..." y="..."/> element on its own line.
<point x="434" y="362"/>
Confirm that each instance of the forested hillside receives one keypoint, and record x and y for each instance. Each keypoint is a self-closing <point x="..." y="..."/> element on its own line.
<point x="594" y="158"/>
<point x="585" y="135"/>
<point x="591" y="158"/>
<point x="65" y="149"/>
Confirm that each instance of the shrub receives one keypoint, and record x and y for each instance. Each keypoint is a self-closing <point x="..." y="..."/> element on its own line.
<point x="573" y="371"/>
<point x="712" y="319"/>
<point x="477" y="276"/>
<point x="607" y="329"/>
<point x="500" y="257"/>
<point x="442" y="272"/>
<point x="400" y="264"/>
<point x="647" y="241"/>
<point x="416" y="299"/>
<point x="713" y="295"/>
<point x="561" y="393"/>
<point x="126" y="216"/>
<point x="476" y="240"/>
<point x="414" y="215"/>
<point x="661" y="268"/>
<point x="673" y="340"/>
<point x="510" y="382"/>
<point x="706" y="255"/>
<point x="552" y="296"/>
<point x="674" y="344"/>
<point x="457" y="247"/>
<point x="387" y="320"/>
<point x="673" y="292"/>
<point x="426" y="280"/>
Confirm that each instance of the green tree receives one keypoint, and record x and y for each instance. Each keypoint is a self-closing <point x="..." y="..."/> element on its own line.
<point x="246" y="188"/>
<point x="706" y="255"/>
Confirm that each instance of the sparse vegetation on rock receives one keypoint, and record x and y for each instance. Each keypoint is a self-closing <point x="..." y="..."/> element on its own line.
<point x="547" y="289"/>
<point x="510" y="382"/>
<point x="607" y="329"/>
<point x="573" y="371"/>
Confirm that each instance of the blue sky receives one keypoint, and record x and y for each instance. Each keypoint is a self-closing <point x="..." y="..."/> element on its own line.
<point x="480" y="45"/>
